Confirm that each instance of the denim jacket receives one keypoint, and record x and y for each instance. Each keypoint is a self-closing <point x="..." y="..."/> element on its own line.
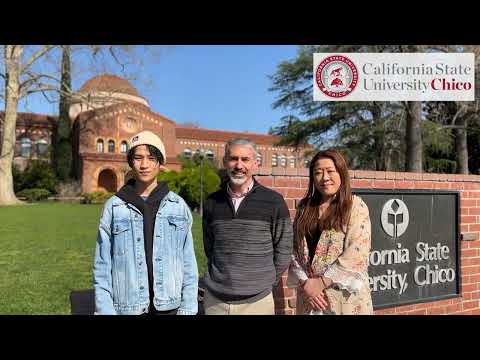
<point x="120" y="272"/>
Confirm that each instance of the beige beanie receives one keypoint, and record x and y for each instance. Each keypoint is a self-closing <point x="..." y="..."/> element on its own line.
<point x="148" y="138"/>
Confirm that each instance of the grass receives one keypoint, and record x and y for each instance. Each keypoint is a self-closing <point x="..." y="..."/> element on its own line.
<point x="47" y="251"/>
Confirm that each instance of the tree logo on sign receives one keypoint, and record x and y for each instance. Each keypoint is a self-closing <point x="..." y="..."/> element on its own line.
<point x="395" y="218"/>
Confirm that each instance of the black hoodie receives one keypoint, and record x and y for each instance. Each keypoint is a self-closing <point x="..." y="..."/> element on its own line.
<point x="149" y="209"/>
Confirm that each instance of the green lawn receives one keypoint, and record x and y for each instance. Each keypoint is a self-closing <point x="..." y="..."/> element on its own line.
<point x="46" y="251"/>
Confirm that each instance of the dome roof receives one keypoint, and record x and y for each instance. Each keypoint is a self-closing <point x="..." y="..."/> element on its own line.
<point x="102" y="91"/>
<point x="109" y="83"/>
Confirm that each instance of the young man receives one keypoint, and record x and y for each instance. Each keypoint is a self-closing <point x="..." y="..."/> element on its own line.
<point x="248" y="238"/>
<point x="144" y="260"/>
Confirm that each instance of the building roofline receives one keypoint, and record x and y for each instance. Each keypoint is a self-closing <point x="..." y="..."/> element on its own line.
<point x="245" y="134"/>
<point x="225" y="131"/>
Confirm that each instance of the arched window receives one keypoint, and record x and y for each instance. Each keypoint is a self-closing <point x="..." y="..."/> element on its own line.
<point x="210" y="155"/>
<point x="187" y="153"/>
<point x="111" y="146"/>
<point x="42" y="146"/>
<point x="259" y="159"/>
<point x="274" y="160"/>
<point x="123" y="147"/>
<point x="100" y="145"/>
<point x="292" y="161"/>
<point x="283" y="161"/>
<point x="26" y="145"/>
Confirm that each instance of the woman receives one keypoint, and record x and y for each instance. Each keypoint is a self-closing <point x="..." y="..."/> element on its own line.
<point x="332" y="243"/>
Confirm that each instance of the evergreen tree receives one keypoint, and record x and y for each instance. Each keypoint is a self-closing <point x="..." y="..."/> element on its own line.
<point x="63" y="148"/>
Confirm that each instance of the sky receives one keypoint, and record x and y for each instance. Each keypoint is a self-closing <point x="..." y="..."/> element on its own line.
<point x="221" y="87"/>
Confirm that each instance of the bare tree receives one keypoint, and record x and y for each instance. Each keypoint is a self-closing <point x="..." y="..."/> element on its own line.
<point x="22" y="78"/>
<point x="14" y="89"/>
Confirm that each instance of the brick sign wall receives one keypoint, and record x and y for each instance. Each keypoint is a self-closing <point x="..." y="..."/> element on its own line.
<point x="292" y="184"/>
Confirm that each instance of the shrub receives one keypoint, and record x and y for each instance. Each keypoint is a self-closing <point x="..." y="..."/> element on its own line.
<point x="96" y="197"/>
<point x="34" y="194"/>
<point x="37" y="175"/>
<point x="17" y="178"/>
<point x="186" y="183"/>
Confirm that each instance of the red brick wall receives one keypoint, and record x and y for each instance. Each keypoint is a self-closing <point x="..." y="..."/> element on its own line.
<point x="293" y="184"/>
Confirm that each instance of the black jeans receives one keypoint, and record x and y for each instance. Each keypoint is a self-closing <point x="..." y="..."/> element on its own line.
<point x="152" y="311"/>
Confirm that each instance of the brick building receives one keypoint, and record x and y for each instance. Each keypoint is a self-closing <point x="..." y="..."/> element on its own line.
<point x="105" y="112"/>
<point x="35" y="133"/>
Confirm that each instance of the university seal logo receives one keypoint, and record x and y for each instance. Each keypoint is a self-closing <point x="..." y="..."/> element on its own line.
<point x="336" y="76"/>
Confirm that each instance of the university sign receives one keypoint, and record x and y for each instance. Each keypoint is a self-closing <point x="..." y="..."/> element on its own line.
<point x="415" y="250"/>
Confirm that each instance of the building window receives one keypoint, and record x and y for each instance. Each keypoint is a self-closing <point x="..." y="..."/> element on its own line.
<point x="210" y="155"/>
<point x="100" y="145"/>
<point x="130" y="124"/>
<point x="123" y="147"/>
<point x="274" y="160"/>
<point x="292" y="161"/>
<point x="306" y="162"/>
<point x="259" y="159"/>
<point x="111" y="146"/>
<point x="42" y="146"/>
<point x="283" y="161"/>
<point x="26" y="145"/>
<point x="187" y="153"/>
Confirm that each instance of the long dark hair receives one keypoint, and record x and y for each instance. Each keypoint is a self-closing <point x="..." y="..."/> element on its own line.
<point x="337" y="215"/>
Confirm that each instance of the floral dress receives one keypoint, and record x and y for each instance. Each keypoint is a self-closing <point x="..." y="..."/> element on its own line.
<point x="341" y="256"/>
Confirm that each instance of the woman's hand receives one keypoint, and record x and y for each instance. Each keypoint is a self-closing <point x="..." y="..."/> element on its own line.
<point x="314" y="293"/>
<point x="318" y="302"/>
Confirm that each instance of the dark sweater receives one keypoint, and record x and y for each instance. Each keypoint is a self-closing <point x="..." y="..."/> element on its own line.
<point x="248" y="250"/>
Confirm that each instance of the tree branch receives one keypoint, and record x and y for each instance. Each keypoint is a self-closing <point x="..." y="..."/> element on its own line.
<point x="35" y="77"/>
<point x="42" y="87"/>
<point x="452" y="126"/>
<point x="35" y="56"/>
<point x="44" y="91"/>
<point x="457" y="114"/>
<point x="46" y="97"/>
<point x="110" y="49"/>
